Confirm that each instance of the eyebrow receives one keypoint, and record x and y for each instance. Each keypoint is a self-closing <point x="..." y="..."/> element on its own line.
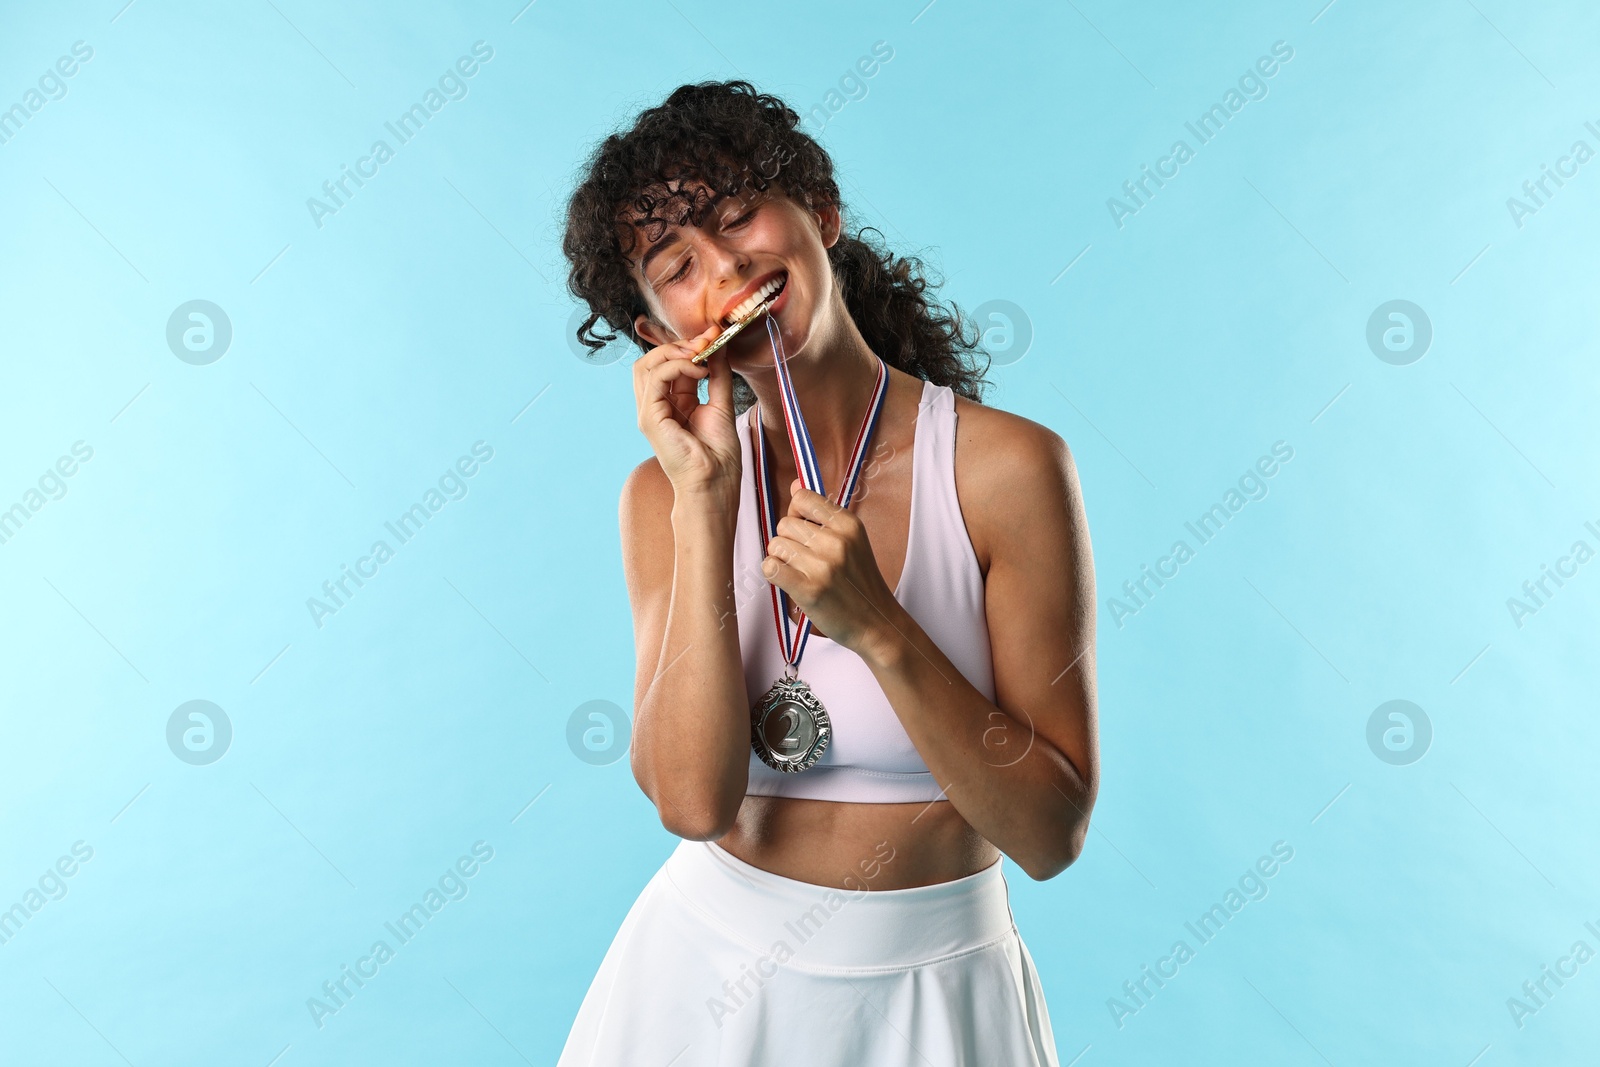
<point x="671" y="236"/>
<point x="656" y="249"/>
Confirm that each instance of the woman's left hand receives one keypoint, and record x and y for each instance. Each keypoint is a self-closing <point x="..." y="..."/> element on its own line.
<point x="821" y="557"/>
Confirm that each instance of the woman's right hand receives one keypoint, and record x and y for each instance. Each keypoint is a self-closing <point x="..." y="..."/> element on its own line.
<point x="696" y="444"/>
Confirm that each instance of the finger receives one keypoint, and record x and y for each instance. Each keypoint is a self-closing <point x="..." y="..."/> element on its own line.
<point x="806" y="504"/>
<point x="786" y="562"/>
<point x="719" y="394"/>
<point x="687" y="387"/>
<point x="693" y="346"/>
<point x="678" y="356"/>
<point x="800" y="531"/>
<point x="680" y="349"/>
<point x="681" y="374"/>
<point x="669" y="390"/>
<point x="645" y="385"/>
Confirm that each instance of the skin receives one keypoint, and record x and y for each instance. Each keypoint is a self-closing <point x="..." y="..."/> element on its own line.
<point x="1020" y="773"/>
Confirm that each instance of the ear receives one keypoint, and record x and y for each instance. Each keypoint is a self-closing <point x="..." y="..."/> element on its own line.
<point x="829" y="224"/>
<point x="652" y="331"/>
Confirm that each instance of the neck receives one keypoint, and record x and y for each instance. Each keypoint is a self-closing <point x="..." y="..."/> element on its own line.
<point x="832" y="379"/>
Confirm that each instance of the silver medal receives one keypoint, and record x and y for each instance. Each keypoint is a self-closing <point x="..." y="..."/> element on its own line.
<point x="789" y="727"/>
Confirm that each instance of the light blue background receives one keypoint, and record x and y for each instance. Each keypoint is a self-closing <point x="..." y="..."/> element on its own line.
<point x="368" y="354"/>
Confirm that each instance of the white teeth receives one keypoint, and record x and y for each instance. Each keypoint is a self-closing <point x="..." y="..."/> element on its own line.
<point x="754" y="300"/>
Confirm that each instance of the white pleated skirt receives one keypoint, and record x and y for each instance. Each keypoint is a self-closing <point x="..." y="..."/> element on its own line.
<point x="721" y="963"/>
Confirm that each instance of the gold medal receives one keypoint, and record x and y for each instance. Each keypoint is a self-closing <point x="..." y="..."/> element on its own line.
<point x="727" y="335"/>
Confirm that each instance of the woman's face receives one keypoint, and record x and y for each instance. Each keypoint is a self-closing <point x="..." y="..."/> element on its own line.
<point x="692" y="276"/>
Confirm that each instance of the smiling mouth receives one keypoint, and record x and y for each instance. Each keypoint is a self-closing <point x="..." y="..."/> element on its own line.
<point x="752" y="303"/>
<point x="749" y="310"/>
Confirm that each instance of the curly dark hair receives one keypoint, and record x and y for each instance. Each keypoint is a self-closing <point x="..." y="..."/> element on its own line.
<point x="739" y="141"/>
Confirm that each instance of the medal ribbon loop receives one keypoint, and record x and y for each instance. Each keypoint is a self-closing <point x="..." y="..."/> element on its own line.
<point x="793" y="635"/>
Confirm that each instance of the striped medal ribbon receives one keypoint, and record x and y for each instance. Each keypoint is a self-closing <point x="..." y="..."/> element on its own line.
<point x="789" y="727"/>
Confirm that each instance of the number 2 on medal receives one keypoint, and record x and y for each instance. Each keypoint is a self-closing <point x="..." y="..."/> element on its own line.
<point x="790" y="720"/>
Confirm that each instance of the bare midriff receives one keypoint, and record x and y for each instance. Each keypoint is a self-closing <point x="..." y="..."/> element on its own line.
<point x="826" y="842"/>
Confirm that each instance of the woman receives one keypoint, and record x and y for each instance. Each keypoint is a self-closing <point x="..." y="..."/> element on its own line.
<point x="837" y="897"/>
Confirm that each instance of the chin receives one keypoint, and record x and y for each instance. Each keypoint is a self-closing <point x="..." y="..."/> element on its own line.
<point x="796" y="330"/>
<point x="760" y="356"/>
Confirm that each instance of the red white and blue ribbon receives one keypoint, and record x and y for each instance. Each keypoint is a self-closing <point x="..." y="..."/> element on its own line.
<point x="793" y="634"/>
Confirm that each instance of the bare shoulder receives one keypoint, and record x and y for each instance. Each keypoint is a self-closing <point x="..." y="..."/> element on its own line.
<point x="1015" y="479"/>
<point x="646" y="487"/>
<point x="644" y="514"/>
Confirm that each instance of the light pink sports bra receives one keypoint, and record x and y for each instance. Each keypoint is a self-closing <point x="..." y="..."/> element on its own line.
<point x="869" y="759"/>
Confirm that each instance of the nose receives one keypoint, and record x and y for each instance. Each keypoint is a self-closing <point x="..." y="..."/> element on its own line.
<point x="726" y="264"/>
<point x="727" y="268"/>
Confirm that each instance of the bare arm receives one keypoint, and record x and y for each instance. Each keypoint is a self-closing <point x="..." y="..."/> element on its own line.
<point x="1022" y="769"/>
<point x="691" y="729"/>
<point x="678" y="513"/>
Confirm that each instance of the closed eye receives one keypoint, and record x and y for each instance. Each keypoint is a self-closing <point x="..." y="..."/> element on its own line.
<point x="730" y="224"/>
